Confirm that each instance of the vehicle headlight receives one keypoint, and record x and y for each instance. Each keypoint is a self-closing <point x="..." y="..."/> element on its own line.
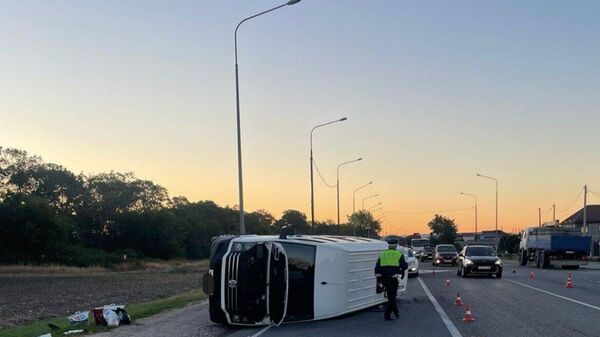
<point x="468" y="262"/>
<point x="498" y="262"/>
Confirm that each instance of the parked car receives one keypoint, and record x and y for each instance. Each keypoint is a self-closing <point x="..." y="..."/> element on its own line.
<point x="478" y="259"/>
<point x="411" y="260"/>
<point x="444" y="254"/>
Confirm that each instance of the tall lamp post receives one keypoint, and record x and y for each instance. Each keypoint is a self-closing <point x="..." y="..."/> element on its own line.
<point x="366" y="198"/>
<point x="237" y="105"/>
<point x="496" y="181"/>
<point x="354" y="195"/>
<point x="337" y="185"/>
<point x="312" y="187"/>
<point x="474" y="197"/>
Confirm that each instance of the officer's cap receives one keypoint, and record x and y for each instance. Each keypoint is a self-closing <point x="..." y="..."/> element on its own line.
<point x="392" y="241"/>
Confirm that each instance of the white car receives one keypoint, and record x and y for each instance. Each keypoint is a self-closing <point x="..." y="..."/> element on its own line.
<point x="411" y="260"/>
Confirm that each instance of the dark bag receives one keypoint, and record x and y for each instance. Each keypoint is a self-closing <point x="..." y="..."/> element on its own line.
<point x="123" y="316"/>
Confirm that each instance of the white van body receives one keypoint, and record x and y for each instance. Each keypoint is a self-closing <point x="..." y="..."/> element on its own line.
<point x="325" y="276"/>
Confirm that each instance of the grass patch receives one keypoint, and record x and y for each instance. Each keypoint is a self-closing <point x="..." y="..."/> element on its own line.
<point x="136" y="311"/>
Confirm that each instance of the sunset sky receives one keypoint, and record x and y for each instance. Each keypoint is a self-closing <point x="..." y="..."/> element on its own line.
<point x="434" y="92"/>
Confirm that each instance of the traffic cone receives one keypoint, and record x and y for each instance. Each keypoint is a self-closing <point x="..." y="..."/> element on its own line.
<point x="532" y="275"/>
<point x="447" y="282"/>
<point x="468" y="315"/>
<point x="458" y="300"/>
<point x="569" y="283"/>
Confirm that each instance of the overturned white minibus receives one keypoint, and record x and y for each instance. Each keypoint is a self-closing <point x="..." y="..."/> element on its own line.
<point x="262" y="280"/>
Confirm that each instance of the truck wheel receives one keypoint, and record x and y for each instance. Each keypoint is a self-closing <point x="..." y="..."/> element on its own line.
<point x="545" y="259"/>
<point x="523" y="257"/>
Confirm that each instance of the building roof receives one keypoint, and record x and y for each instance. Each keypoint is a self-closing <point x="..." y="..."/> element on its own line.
<point x="593" y="216"/>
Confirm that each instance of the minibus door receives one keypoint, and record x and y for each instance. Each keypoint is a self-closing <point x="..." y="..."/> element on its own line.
<point x="277" y="284"/>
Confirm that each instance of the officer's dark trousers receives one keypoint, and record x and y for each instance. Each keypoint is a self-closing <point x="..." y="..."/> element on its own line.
<point x="391" y="289"/>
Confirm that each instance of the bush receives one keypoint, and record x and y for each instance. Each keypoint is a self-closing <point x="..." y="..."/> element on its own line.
<point x="86" y="257"/>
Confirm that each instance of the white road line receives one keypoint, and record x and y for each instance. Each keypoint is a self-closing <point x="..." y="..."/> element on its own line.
<point x="449" y="325"/>
<point x="555" y="295"/>
<point x="262" y="331"/>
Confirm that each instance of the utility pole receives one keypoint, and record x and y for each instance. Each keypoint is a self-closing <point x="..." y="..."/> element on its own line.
<point x="585" y="225"/>
<point x="540" y="217"/>
<point x="554" y="213"/>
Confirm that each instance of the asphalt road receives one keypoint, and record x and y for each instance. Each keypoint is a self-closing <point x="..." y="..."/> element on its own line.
<point x="515" y="305"/>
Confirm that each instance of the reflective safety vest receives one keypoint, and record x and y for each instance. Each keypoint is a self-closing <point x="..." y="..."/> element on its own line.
<point x="390" y="258"/>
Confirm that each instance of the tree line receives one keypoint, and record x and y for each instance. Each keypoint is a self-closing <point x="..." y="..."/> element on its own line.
<point x="49" y="214"/>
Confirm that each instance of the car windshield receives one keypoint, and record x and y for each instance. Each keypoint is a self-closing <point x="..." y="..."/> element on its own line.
<point x="446" y="249"/>
<point x="419" y="242"/>
<point x="480" y="251"/>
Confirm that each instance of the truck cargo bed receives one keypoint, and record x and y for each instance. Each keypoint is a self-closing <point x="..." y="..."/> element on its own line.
<point x="560" y="243"/>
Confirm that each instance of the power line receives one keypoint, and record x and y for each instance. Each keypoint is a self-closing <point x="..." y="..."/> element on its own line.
<point x="573" y="204"/>
<point x="321" y="176"/>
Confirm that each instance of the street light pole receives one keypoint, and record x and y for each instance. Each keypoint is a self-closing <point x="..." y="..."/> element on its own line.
<point x="337" y="185"/>
<point x="354" y="195"/>
<point x="312" y="186"/>
<point x="369" y="197"/>
<point x="474" y="197"/>
<point x="237" y="105"/>
<point x="496" y="181"/>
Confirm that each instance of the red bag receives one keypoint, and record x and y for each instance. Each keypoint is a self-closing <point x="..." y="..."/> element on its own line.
<point x="98" y="316"/>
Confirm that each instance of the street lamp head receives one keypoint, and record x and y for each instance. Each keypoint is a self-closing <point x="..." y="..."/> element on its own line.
<point x="292" y="2"/>
<point x="359" y="159"/>
<point x="343" y="119"/>
<point x="477" y="174"/>
<point x="370" y="182"/>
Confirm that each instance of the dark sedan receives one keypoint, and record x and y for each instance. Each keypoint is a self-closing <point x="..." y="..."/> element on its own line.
<point x="475" y="260"/>
<point x="444" y="254"/>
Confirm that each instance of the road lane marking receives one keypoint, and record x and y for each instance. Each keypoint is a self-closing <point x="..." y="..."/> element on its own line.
<point x="262" y="331"/>
<point x="447" y="322"/>
<point x="555" y="295"/>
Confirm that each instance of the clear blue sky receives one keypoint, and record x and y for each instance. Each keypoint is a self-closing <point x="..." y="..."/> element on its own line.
<point x="434" y="92"/>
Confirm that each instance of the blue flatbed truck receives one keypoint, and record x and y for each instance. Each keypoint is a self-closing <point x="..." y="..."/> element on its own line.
<point x="554" y="246"/>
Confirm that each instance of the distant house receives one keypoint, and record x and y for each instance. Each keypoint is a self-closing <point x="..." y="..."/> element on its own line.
<point x="593" y="222"/>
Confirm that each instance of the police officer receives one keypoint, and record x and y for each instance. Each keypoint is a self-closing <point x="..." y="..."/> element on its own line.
<point x="390" y="264"/>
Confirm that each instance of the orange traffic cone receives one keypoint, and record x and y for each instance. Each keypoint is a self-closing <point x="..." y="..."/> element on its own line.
<point x="532" y="275"/>
<point x="447" y="282"/>
<point x="458" y="300"/>
<point x="468" y="315"/>
<point x="569" y="283"/>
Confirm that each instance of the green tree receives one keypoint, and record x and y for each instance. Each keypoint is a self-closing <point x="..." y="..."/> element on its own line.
<point x="294" y="219"/>
<point x="509" y="243"/>
<point x="364" y="223"/>
<point x="31" y="231"/>
<point x="443" y="230"/>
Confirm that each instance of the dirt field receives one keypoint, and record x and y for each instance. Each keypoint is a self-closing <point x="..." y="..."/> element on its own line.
<point x="29" y="296"/>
